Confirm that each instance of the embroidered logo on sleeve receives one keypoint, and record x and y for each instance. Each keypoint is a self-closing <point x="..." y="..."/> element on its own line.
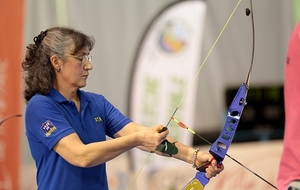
<point x="48" y="128"/>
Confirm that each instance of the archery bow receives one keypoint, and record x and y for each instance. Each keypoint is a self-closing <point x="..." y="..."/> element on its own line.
<point x="220" y="147"/>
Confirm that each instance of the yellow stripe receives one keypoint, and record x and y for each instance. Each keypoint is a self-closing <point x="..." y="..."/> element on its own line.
<point x="194" y="185"/>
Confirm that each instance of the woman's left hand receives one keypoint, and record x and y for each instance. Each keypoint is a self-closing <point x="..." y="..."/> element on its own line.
<point x="213" y="168"/>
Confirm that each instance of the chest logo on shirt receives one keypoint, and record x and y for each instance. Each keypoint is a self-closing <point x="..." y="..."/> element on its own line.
<point x="98" y="119"/>
<point x="48" y="128"/>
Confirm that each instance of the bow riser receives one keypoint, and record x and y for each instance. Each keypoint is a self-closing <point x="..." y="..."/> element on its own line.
<point x="220" y="147"/>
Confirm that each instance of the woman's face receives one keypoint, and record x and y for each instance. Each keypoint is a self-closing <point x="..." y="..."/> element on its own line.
<point x="74" y="72"/>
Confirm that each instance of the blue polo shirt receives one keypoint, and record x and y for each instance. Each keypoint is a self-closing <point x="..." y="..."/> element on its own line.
<point x="49" y="118"/>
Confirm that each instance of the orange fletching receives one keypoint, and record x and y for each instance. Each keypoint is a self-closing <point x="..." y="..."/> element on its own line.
<point x="182" y="125"/>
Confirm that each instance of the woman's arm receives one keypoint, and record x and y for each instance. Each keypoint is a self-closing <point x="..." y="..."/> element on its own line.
<point x="185" y="153"/>
<point x="76" y="153"/>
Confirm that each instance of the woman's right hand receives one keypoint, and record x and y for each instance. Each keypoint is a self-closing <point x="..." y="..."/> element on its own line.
<point x="152" y="137"/>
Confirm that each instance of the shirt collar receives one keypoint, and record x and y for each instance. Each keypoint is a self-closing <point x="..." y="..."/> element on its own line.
<point x="57" y="96"/>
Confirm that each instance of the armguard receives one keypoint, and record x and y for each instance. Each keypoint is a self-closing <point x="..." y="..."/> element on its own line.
<point x="168" y="148"/>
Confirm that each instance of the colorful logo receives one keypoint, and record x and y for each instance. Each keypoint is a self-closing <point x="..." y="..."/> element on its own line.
<point x="174" y="37"/>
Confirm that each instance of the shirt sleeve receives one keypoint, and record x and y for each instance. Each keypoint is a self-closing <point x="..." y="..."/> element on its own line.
<point x="114" y="119"/>
<point x="45" y="122"/>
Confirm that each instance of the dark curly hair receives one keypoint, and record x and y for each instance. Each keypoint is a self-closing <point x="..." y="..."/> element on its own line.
<point x="39" y="74"/>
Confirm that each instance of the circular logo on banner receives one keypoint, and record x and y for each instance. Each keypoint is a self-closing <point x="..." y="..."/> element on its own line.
<point x="174" y="37"/>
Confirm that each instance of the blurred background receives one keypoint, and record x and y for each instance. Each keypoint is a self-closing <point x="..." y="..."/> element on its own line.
<point x="119" y="27"/>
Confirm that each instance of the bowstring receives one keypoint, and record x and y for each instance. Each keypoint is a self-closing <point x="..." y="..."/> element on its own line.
<point x="208" y="54"/>
<point x="204" y="61"/>
<point x="191" y="83"/>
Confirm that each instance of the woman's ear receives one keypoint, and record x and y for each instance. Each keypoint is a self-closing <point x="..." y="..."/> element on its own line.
<point x="55" y="61"/>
